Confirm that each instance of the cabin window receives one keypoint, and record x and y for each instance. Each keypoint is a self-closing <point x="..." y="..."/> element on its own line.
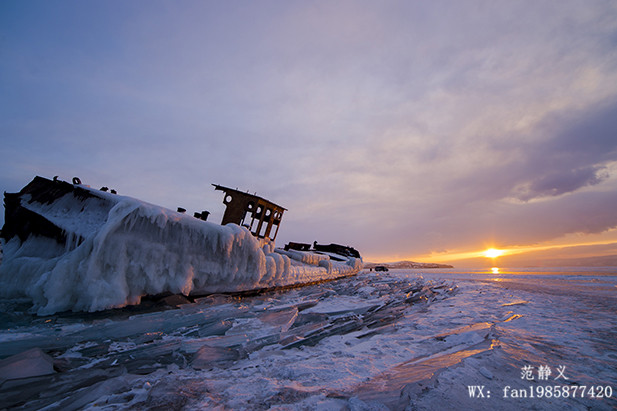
<point x="262" y="232"/>
<point x="273" y="231"/>
<point x="246" y="220"/>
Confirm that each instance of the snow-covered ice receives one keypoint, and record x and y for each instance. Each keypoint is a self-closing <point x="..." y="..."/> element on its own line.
<point x="405" y="339"/>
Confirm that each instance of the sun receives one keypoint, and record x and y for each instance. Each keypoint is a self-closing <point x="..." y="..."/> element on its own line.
<point x="493" y="253"/>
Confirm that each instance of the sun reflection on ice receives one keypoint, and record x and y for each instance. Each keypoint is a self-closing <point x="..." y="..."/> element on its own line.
<point x="495" y="270"/>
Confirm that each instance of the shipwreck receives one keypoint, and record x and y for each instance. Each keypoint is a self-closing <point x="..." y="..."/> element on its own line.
<point x="68" y="246"/>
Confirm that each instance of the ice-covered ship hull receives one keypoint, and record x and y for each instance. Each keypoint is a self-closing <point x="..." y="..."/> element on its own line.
<point x="71" y="247"/>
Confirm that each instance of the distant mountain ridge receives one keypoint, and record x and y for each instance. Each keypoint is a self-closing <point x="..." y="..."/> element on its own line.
<point x="407" y="265"/>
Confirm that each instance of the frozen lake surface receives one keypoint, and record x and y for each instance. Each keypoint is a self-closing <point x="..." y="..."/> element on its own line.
<point x="406" y="339"/>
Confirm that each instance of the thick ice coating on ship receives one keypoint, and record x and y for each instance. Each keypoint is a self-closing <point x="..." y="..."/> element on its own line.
<point x="70" y="247"/>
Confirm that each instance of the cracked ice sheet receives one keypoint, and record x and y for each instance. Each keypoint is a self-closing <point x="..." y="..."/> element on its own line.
<point x="336" y="372"/>
<point x="428" y="357"/>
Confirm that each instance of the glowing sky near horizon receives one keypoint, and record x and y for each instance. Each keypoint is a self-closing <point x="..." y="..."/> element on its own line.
<point x="402" y="128"/>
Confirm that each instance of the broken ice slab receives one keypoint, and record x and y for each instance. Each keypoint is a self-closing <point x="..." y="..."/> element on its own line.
<point x="142" y="359"/>
<point x="343" y="305"/>
<point x="229" y="341"/>
<point x="309" y="318"/>
<point x="216" y="328"/>
<point x="48" y="391"/>
<point x="156" y="324"/>
<point x="208" y="357"/>
<point x="158" y="350"/>
<point x="385" y="316"/>
<point x="280" y="318"/>
<point x="511" y="317"/>
<point x="321" y="322"/>
<point x="258" y="343"/>
<point x="339" y="326"/>
<point x="151" y="351"/>
<point x="139" y="328"/>
<point x="307" y="304"/>
<point x="31" y="363"/>
<point x="79" y="399"/>
<point x="416" y="297"/>
<point x="44" y="342"/>
<point x="352" y="311"/>
<point x="519" y="302"/>
<point x="385" y="329"/>
<point x="59" y="391"/>
<point x="303" y="330"/>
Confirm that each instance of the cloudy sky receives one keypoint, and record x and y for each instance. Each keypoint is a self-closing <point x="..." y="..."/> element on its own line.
<point x="407" y="129"/>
